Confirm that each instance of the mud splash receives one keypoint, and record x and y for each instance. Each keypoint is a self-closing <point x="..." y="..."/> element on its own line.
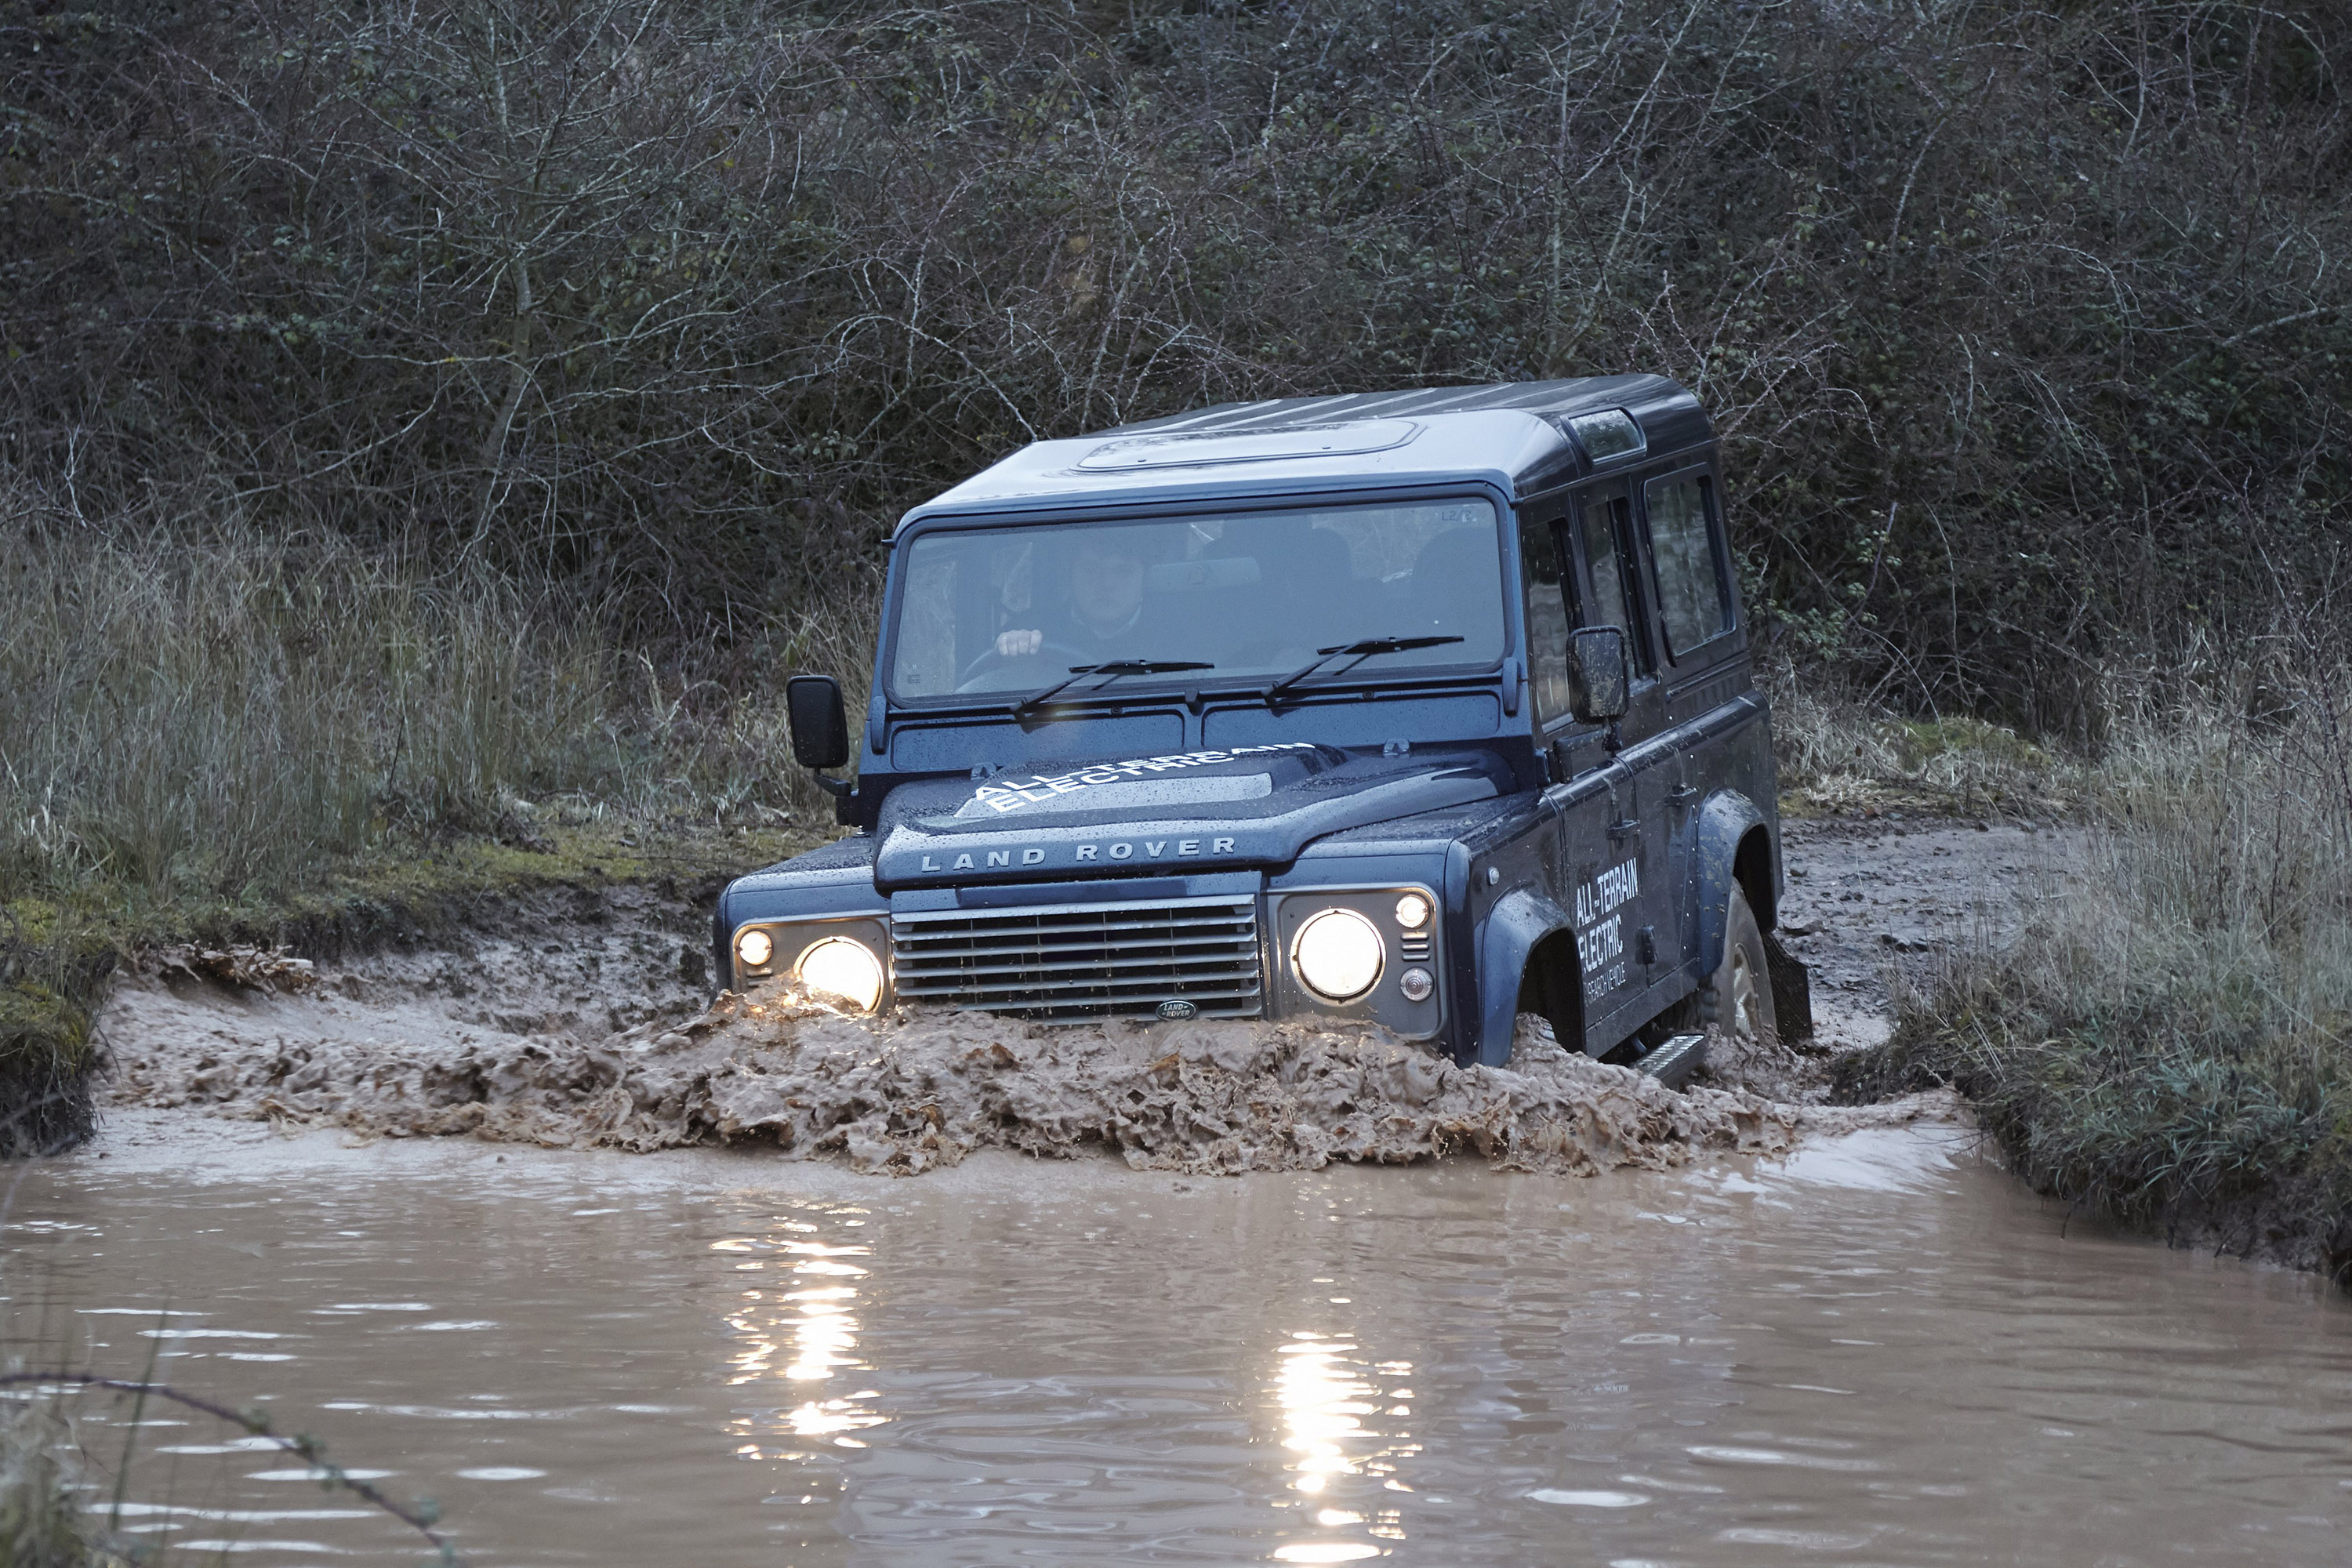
<point x="908" y="1093"/>
<point x="580" y="1022"/>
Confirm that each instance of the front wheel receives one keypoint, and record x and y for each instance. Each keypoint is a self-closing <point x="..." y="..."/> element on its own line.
<point x="1738" y="997"/>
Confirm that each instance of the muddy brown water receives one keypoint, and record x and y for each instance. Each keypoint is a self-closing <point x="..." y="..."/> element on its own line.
<point x="1878" y="1350"/>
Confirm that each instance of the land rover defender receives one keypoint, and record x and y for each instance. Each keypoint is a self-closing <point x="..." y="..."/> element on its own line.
<point x="1428" y="708"/>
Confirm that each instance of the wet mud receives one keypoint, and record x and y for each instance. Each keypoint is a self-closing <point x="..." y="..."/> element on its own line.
<point x="583" y="1026"/>
<point x="1870" y="898"/>
<point x="909" y="1092"/>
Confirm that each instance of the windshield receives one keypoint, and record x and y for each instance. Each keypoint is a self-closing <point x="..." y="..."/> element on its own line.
<point x="1252" y="595"/>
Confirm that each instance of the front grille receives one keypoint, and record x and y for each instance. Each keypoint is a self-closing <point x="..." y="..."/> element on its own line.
<point x="1083" y="961"/>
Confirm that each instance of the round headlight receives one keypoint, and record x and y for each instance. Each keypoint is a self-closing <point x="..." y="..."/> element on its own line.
<point x="755" y="948"/>
<point x="841" y="968"/>
<point x="1413" y="911"/>
<point x="1337" y="954"/>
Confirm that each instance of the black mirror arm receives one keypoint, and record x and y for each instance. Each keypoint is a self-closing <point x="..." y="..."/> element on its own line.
<point x="846" y="803"/>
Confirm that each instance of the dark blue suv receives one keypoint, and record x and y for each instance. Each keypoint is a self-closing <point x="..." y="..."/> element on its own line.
<point x="1427" y="709"/>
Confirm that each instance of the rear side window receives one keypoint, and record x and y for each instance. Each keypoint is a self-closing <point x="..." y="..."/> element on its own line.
<point x="1547" y="602"/>
<point x="1694" y="601"/>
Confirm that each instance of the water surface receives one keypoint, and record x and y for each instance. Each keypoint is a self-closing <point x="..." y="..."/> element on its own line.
<point x="1880" y="1352"/>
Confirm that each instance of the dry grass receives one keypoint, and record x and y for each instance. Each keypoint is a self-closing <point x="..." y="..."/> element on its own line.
<point x="2168" y="1037"/>
<point x="1842" y="756"/>
<point x="217" y="713"/>
<point x="201" y="732"/>
<point x="42" y="1522"/>
<point x="223" y="713"/>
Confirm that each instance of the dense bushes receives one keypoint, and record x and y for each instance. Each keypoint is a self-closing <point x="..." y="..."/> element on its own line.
<point x="2020" y="324"/>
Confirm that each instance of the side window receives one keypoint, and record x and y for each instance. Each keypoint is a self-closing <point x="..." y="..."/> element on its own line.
<point x="1602" y="520"/>
<point x="1693" y="600"/>
<point x="1547" y="608"/>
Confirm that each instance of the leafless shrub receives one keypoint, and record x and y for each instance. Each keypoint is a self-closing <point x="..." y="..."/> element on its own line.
<point x="2020" y="324"/>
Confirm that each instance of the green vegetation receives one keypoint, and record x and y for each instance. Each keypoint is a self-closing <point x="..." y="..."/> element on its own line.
<point x="50" y="989"/>
<point x="1838" y="757"/>
<point x="2168" y="1040"/>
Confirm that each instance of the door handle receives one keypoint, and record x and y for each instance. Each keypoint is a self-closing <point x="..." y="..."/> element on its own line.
<point x="1628" y="828"/>
<point x="1681" y="795"/>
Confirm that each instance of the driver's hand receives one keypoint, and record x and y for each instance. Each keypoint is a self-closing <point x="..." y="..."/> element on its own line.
<point x="1018" y="644"/>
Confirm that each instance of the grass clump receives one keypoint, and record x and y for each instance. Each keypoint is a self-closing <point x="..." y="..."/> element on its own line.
<point x="2167" y="1038"/>
<point x="49" y="994"/>
<point x="42" y="1522"/>
<point x="1841" y="755"/>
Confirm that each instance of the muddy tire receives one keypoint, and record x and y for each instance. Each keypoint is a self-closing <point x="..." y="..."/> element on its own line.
<point x="1738" y="997"/>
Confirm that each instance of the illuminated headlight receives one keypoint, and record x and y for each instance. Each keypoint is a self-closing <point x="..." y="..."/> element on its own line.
<point x="1337" y="954"/>
<point x="843" y="968"/>
<point x="755" y="948"/>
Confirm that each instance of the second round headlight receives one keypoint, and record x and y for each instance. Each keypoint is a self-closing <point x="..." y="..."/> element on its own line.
<point x="1337" y="954"/>
<point x="843" y="967"/>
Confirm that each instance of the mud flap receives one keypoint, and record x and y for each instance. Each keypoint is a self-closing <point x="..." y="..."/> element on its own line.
<point x="1792" y="991"/>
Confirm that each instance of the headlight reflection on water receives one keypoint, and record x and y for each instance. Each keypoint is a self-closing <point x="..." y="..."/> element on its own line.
<point x="810" y="1325"/>
<point x="1325" y="1395"/>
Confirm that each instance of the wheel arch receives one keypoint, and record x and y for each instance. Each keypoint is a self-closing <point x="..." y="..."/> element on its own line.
<point x="1736" y="850"/>
<point x="1551" y="987"/>
<point x="1527" y="940"/>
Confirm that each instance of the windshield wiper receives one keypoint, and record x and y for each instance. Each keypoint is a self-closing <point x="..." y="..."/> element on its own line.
<point x="1114" y="669"/>
<point x="1361" y="650"/>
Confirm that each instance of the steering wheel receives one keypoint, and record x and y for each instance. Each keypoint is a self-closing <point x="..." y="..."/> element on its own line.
<point x="990" y="659"/>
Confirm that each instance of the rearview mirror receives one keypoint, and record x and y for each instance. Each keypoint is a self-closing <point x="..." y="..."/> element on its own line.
<point x="820" y="730"/>
<point x="1597" y="674"/>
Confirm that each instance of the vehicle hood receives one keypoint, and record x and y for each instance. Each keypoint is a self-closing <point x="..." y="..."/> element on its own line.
<point x="1189" y="811"/>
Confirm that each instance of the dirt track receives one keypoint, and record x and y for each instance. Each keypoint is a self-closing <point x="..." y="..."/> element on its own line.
<point x="1867" y="896"/>
<point x="582" y="1023"/>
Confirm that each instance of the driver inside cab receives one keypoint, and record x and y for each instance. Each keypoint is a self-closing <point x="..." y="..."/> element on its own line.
<point x="1105" y="609"/>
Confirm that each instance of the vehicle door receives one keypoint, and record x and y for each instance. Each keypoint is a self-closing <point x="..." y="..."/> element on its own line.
<point x="1614" y="870"/>
<point x="1703" y="665"/>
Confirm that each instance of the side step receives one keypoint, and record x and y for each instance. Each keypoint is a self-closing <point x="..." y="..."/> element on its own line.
<point x="1673" y="1063"/>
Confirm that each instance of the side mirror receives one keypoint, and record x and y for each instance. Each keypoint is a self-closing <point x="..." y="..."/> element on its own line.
<point x="1597" y="674"/>
<point x="820" y="730"/>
